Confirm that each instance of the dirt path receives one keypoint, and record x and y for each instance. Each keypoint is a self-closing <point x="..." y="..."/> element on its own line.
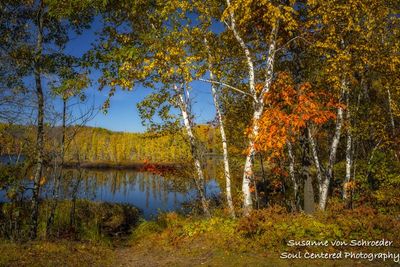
<point x="146" y="253"/>
<point x="198" y="254"/>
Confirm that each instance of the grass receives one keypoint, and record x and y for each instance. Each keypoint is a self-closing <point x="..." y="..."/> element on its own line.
<point x="94" y="221"/>
<point x="176" y="240"/>
<point x="61" y="253"/>
<point x="260" y="239"/>
<point x="200" y="251"/>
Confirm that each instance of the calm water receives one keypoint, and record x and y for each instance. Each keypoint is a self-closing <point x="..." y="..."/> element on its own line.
<point x="11" y="159"/>
<point x="149" y="192"/>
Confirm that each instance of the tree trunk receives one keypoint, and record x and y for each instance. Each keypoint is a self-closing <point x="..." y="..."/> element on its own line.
<point x="40" y="127"/>
<point x="318" y="165"/>
<point x="332" y="158"/>
<point x="57" y="183"/>
<point x="332" y="155"/>
<point x="248" y="166"/>
<point x="308" y="190"/>
<point x="348" y="151"/>
<point x="264" y="180"/>
<point x="227" y="172"/>
<point x="258" y="104"/>
<point x="258" y="110"/>
<point x="391" y="112"/>
<point x="308" y="195"/>
<point x="74" y="196"/>
<point x="392" y="123"/>
<point x="324" y="177"/>
<point x="194" y="151"/>
<point x="293" y="176"/>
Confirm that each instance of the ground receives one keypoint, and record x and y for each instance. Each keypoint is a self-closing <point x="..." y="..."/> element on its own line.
<point x="195" y="253"/>
<point x="201" y="253"/>
<point x="174" y="240"/>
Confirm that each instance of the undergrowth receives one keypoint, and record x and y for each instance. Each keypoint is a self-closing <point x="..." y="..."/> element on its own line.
<point x="270" y="229"/>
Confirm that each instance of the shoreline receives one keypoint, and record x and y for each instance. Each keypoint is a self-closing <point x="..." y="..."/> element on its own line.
<point x="122" y="165"/>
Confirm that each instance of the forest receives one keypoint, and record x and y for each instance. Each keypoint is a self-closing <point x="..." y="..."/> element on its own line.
<point x="303" y="144"/>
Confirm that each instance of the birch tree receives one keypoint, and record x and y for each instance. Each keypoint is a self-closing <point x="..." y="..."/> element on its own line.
<point x="156" y="51"/>
<point x="347" y="40"/>
<point x="227" y="172"/>
<point x="38" y="51"/>
<point x="258" y="37"/>
<point x="212" y="45"/>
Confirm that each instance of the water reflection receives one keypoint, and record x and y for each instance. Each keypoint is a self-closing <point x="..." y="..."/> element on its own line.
<point x="149" y="192"/>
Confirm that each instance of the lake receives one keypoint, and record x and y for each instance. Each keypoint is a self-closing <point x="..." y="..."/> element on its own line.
<point x="151" y="193"/>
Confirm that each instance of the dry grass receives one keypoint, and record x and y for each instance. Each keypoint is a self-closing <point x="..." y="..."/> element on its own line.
<point x="62" y="253"/>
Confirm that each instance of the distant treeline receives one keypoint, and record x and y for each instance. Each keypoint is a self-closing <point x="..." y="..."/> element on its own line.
<point x="93" y="144"/>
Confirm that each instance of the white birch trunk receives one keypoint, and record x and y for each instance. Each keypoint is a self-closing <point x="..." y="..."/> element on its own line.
<point x="332" y="156"/>
<point x="323" y="181"/>
<point x="392" y="123"/>
<point x="390" y="112"/>
<point x="316" y="159"/>
<point x="40" y="126"/>
<point x="248" y="166"/>
<point x="258" y="105"/>
<point x="193" y="147"/>
<point x="292" y="174"/>
<point x="348" y="151"/>
<point x="246" y="51"/>
<point x="324" y="177"/>
<point x="227" y="172"/>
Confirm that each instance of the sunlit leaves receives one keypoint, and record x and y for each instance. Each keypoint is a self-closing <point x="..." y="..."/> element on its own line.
<point x="353" y="35"/>
<point x="289" y="108"/>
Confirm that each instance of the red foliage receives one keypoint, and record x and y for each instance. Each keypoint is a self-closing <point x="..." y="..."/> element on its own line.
<point x="158" y="169"/>
<point x="289" y="108"/>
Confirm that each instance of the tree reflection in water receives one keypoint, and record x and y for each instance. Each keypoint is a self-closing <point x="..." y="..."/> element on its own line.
<point x="151" y="193"/>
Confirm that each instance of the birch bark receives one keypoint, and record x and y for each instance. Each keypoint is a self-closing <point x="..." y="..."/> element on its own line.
<point x="227" y="172"/>
<point x="324" y="177"/>
<point x="258" y="105"/>
<point x="314" y="152"/>
<point x="194" y="151"/>
<point x="348" y="150"/>
<point x="390" y="112"/>
<point x="293" y="175"/>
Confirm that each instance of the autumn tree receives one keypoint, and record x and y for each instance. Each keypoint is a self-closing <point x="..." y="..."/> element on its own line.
<point x="33" y="56"/>
<point x="289" y="109"/>
<point x="347" y="38"/>
<point x="155" y="50"/>
<point x="259" y="38"/>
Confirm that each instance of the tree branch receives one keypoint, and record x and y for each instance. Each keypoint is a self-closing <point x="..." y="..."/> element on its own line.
<point x="228" y="86"/>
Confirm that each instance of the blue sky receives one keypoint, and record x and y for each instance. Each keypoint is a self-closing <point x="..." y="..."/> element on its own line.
<point x="123" y="114"/>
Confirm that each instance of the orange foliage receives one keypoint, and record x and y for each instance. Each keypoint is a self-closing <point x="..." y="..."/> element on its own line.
<point x="289" y="108"/>
<point x="259" y="87"/>
<point x="42" y="180"/>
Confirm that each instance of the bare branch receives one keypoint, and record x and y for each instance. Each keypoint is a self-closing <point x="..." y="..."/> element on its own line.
<point x="292" y="40"/>
<point x="228" y="86"/>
